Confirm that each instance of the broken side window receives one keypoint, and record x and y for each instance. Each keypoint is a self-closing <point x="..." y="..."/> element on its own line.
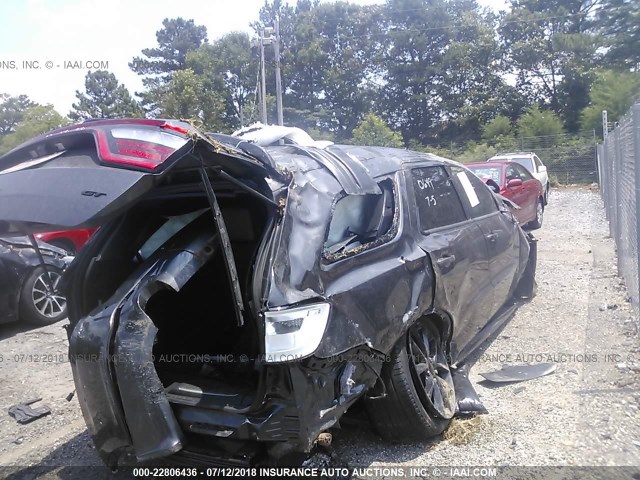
<point x="361" y="220"/>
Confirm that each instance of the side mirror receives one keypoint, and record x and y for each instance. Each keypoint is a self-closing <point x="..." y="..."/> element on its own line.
<point x="542" y="168"/>
<point x="514" y="182"/>
<point x="492" y="185"/>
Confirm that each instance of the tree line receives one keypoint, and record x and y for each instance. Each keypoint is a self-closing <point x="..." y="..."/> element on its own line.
<point x="415" y="73"/>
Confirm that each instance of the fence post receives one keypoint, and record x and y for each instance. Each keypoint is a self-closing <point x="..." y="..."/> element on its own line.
<point x="616" y="178"/>
<point x="635" y="125"/>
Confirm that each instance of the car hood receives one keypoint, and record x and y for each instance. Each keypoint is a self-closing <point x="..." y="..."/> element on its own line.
<point x="24" y="242"/>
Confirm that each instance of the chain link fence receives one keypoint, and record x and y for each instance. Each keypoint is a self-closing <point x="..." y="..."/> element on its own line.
<point x="620" y="190"/>
<point x="569" y="158"/>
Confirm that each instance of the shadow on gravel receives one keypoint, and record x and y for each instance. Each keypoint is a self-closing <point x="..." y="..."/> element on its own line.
<point x="12" y="329"/>
<point x="9" y="330"/>
<point x="75" y="459"/>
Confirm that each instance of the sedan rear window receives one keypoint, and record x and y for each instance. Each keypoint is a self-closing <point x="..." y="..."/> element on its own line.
<point x="494" y="173"/>
<point x="525" y="162"/>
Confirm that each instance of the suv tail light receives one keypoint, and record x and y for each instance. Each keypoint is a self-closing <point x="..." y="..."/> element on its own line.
<point x="141" y="146"/>
<point x="294" y="333"/>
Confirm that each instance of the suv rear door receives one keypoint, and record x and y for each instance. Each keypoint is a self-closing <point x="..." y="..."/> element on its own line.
<point x="498" y="229"/>
<point x="84" y="175"/>
<point x="458" y="252"/>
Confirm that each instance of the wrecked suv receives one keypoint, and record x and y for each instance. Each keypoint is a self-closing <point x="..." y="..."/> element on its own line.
<point x="237" y="300"/>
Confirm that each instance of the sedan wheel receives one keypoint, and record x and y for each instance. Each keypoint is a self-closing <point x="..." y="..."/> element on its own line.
<point x="419" y="396"/>
<point x="41" y="302"/>
<point x="537" y="223"/>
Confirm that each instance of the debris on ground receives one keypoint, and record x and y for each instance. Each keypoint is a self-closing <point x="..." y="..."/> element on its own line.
<point x="462" y="431"/>
<point x="519" y="373"/>
<point x="468" y="402"/>
<point x="23" y="413"/>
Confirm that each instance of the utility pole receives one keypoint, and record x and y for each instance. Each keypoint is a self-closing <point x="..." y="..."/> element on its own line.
<point x="605" y="125"/>
<point x="276" y="49"/>
<point x="263" y="83"/>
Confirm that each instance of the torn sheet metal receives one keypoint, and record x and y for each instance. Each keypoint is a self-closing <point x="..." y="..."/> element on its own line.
<point x="519" y="373"/>
<point x="468" y="402"/>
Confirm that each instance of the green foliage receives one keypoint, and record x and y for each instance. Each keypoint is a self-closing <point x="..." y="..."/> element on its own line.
<point x="499" y="127"/>
<point x="441" y="69"/>
<point x="12" y="110"/>
<point x="373" y="131"/>
<point x="176" y="39"/>
<point x="550" y="47"/>
<point x="37" y="120"/>
<point x="433" y="70"/>
<point x="228" y="68"/>
<point x="104" y="98"/>
<point x="418" y="147"/>
<point x="187" y="97"/>
<point x="329" y="51"/>
<point x="613" y="91"/>
<point x="538" y="122"/>
<point x="477" y="153"/>
<point x="619" y="22"/>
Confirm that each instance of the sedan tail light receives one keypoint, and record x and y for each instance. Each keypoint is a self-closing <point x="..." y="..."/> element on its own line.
<point x="141" y="146"/>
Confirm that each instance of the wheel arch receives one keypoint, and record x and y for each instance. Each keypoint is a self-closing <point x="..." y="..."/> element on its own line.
<point x="443" y="321"/>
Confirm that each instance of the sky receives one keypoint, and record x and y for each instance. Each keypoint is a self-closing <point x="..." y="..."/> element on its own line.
<point x="46" y="46"/>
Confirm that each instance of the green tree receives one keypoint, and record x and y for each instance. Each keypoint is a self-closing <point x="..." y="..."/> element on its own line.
<point x="477" y="153"/>
<point x="497" y="128"/>
<point x="176" y="39"/>
<point x="619" y="22"/>
<point x="36" y="121"/>
<point x="550" y="48"/>
<point x="104" y="98"/>
<point x="373" y="131"/>
<point x="441" y="70"/>
<point x="12" y="110"/>
<point x="613" y="91"/>
<point x="538" y="122"/>
<point x="186" y="97"/>
<point x="229" y="68"/>
<point x="328" y="57"/>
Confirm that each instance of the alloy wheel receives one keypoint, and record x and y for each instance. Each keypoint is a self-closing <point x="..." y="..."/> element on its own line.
<point x="430" y="371"/>
<point x="539" y="213"/>
<point x="49" y="303"/>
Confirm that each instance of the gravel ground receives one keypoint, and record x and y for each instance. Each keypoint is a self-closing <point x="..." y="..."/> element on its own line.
<point x="586" y="413"/>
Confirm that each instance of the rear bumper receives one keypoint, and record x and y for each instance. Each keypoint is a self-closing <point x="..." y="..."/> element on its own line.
<point x="132" y="418"/>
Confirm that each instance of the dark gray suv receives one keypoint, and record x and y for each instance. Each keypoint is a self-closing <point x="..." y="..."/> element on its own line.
<point x="237" y="300"/>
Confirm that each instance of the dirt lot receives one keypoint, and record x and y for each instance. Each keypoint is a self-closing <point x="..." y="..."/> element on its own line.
<point x="586" y="413"/>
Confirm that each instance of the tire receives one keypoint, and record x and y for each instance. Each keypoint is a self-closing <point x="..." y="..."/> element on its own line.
<point x="537" y="223"/>
<point x="37" y="307"/>
<point x="546" y="195"/>
<point x="407" y="412"/>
